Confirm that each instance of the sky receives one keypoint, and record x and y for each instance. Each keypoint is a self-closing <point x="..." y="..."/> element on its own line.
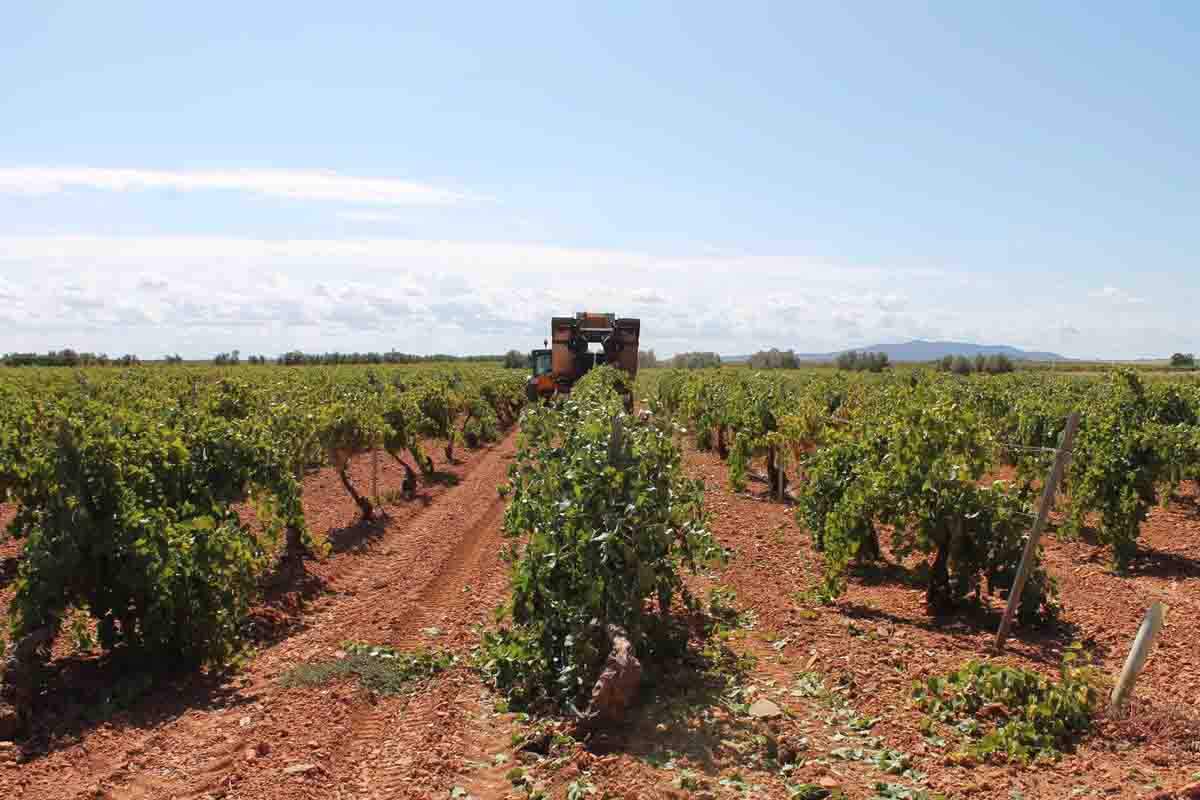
<point x="445" y="177"/>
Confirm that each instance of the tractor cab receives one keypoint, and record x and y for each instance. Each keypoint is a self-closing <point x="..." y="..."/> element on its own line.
<point x="541" y="383"/>
<point x="540" y="359"/>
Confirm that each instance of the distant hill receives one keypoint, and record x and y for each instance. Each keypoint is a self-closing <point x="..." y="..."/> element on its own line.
<point x="919" y="350"/>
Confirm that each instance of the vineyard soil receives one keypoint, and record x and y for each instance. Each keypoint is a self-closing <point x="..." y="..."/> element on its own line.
<point x="424" y="576"/>
<point x="430" y="572"/>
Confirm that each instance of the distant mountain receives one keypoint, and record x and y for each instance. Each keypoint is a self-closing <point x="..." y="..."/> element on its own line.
<point x="919" y="350"/>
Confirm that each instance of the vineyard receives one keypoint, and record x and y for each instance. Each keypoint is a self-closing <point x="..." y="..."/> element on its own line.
<point x="399" y="581"/>
<point x="155" y="502"/>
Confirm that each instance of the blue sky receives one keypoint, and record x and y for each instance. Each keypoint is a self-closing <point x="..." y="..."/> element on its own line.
<point x="444" y="177"/>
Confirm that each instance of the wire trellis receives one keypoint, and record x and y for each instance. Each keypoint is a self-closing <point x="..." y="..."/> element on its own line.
<point x="1026" y="447"/>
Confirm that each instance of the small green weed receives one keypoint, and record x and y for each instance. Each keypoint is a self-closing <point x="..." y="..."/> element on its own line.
<point x="722" y="607"/>
<point x="1015" y="714"/>
<point x="811" y="791"/>
<point x="580" y="789"/>
<point x="81" y="631"/>
<point x="688" y="779"/>
<point x="378" y="668"/>
<point x="898" y="791"/>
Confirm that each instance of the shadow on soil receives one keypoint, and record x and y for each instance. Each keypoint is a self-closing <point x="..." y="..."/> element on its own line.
<point x="688" y="697"/>
<point x="969" y="619"/>
<point x="357" y="537"/>
<point x="82" y="692"/>
<point x="685" y="705"/>
<point x="8" y="571"/>
<point x="1156" y="722"/>
<point x="1044" y="643"/>
<point x="890" y="573"/>
<point x="1152" y="563"/>
<point x="441" y="478"/>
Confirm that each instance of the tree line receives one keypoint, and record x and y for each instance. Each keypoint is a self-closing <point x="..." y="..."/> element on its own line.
<point x="298" y="358"/>
<point x="855" y="361"/>
<point x="68" y="358"/>
<point x="995" y="364"/>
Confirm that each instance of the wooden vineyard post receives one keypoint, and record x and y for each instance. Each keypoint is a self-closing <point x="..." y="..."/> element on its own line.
<point x="779" y="470"/>
<point x="1142" y="644"/>
<point x="1027" y="558"/>
<point x="375" y="476"/>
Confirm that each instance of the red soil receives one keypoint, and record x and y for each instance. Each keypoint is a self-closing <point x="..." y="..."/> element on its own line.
<point x="425" y="574"/>
<point x="431" y="572"/>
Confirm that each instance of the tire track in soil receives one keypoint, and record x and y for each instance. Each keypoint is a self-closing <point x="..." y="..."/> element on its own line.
<point x="412" y="577"/>
<point x="405" y="747"/>
<point x="391" y="746"/>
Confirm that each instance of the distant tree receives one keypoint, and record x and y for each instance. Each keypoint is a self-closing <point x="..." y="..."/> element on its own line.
<point x="774" y="359"/>
<point x="647" y="359"/>
<point x="515" y="359"/>
<point x="997" y="363"/>
<point x="300" y="358"/>
<point x="994" y="364"/>
<point x="1183" y="360"/>
<point x="695" y="360"/>
<point x="174" y="359"/>
<point x="854" y="361"/>
<point x="55" y="358"/>
<point x="128" y="360"/>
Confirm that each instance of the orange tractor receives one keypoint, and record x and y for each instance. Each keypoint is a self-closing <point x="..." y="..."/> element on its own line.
<point x="579" y="343"/>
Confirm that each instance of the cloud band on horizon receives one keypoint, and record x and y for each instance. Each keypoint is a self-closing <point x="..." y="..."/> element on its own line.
<point x="310" y="185"/>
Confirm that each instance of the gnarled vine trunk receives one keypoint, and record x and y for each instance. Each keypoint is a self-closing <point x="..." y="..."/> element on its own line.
<point x="410" y="478"/>
<point x="618" y="684"/>
<point x="294" y="548"/>
<point x="939" y="595"/>
<point x="869" y="550"/>
<point x="20" y="676"/>
<point x="364" y="505"/>
<point x="776" y="475"/>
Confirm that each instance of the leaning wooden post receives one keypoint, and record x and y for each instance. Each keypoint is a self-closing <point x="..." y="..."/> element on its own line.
<point x="1142" y="645"/>
<point x="1030" y="554"/>
<point x="375" y="476"/>
<point x="779" y="470"/>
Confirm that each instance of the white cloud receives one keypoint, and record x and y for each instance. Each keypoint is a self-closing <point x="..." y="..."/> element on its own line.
<point x="648" y="296"/>
<point x="358" y="215"/>
<point x="890" y="302"/>
<point x="317" y="185"/>
<point x="152" y="283"/>
<point x="202" y="295"/>
<point x="847" y="320"/>
<point x="1118" y="297"/>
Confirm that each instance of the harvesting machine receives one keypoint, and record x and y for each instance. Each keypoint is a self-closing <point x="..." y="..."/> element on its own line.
<point x="579" y="343"/>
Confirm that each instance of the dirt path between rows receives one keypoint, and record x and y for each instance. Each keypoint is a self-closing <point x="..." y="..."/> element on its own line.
<point x="424" y="581"/>
<point x="432" y="573"/>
